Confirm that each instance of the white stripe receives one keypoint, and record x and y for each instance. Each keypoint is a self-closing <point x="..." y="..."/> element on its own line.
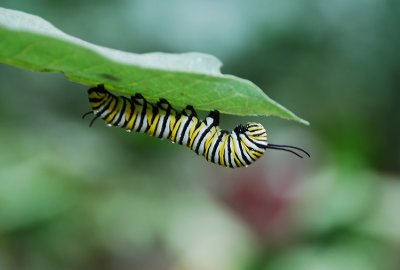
<point x="159" y="125"/>
<point x="226" y="157"/>
<point x="216" y="135"/>
<point x="232" y="156"/>
<point x="202" y="128"/>
<point x="239" y="153"/>
<point x="245" y="153"/>
<point x="217" y="159"/>
<point x="250" y="144"/>
<point x="203" y="142"/>
<point x="167" y="128"/>
<point x="144" y="125"/>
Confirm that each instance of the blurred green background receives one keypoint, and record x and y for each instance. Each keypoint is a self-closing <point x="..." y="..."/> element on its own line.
<point x="74" y="197"/>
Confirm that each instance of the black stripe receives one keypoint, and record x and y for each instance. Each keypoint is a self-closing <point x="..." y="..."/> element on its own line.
<point x="142" y="115"/>
<point x="122" y="110"/>
<point x="218" y="142"/>
<point x="155" y="129"/>
<point x="256" y="151"/>
<point x="109" y="109"/>
<point x="185" y="127"/>
<point x="202" y="138"/>
<point x="114" y="109"/>
<point x="106" y="104"/>
<point x="189" y="120"/>
<point x="127" y="120"/>
<point x="229" y="152"/>
<point x="238" y="162"/>
<point x="95" y="99"/>
<point x="164" y="124"/>
<point x="136" y="114"/>
<point x="177" y="116"/>
<point x="154" y="112"/>
<point x="262" y="146"/>
<point x="258" y="133"/>
<point x="241" y="149"/>
<point x="212" y="139"/>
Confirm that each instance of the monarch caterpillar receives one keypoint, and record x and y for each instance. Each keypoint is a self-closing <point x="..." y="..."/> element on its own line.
<point x="237" y="148"/>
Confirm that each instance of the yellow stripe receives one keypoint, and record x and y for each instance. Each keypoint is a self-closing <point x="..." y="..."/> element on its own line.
<point x="221" y="151"/>
<point x="114" y="112"/>
<point x="149" y="113"/>
<point x="132" y="121"/>
<point x="247" y="150"/>
<point x="97" y="104"/>
<point x="194" y="133"/>
<point x="172" y="120"/>
<point x="175" y="130"/>
<point x="209" y="141"/>
<point x="153" y="128"/>
<point x="127" y="112"/>
<point x="258" y="155"/>
<point x="235" y="157"/>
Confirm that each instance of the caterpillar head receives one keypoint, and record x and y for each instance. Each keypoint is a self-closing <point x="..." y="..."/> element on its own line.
<point x="99" y="91"/>
<point x="253" y="136"/>
<point x="256" y="134"/>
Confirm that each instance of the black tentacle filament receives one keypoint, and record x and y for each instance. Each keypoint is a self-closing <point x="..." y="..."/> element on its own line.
<point x="288" y="148"/>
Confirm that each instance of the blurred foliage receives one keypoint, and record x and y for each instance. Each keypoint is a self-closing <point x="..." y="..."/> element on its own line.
<point x="74" y="197"/>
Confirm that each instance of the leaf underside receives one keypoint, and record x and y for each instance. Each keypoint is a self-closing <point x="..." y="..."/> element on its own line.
<point x="30" y="42"/>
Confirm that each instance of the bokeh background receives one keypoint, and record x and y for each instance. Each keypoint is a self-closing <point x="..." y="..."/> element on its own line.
<point x="74" y="197"/>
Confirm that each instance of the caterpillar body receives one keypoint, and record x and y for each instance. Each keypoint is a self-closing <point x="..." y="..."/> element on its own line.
<point x="237" y="148"/>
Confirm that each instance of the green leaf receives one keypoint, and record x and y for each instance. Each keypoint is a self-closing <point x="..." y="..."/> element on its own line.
<point x="192" y="78"/>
